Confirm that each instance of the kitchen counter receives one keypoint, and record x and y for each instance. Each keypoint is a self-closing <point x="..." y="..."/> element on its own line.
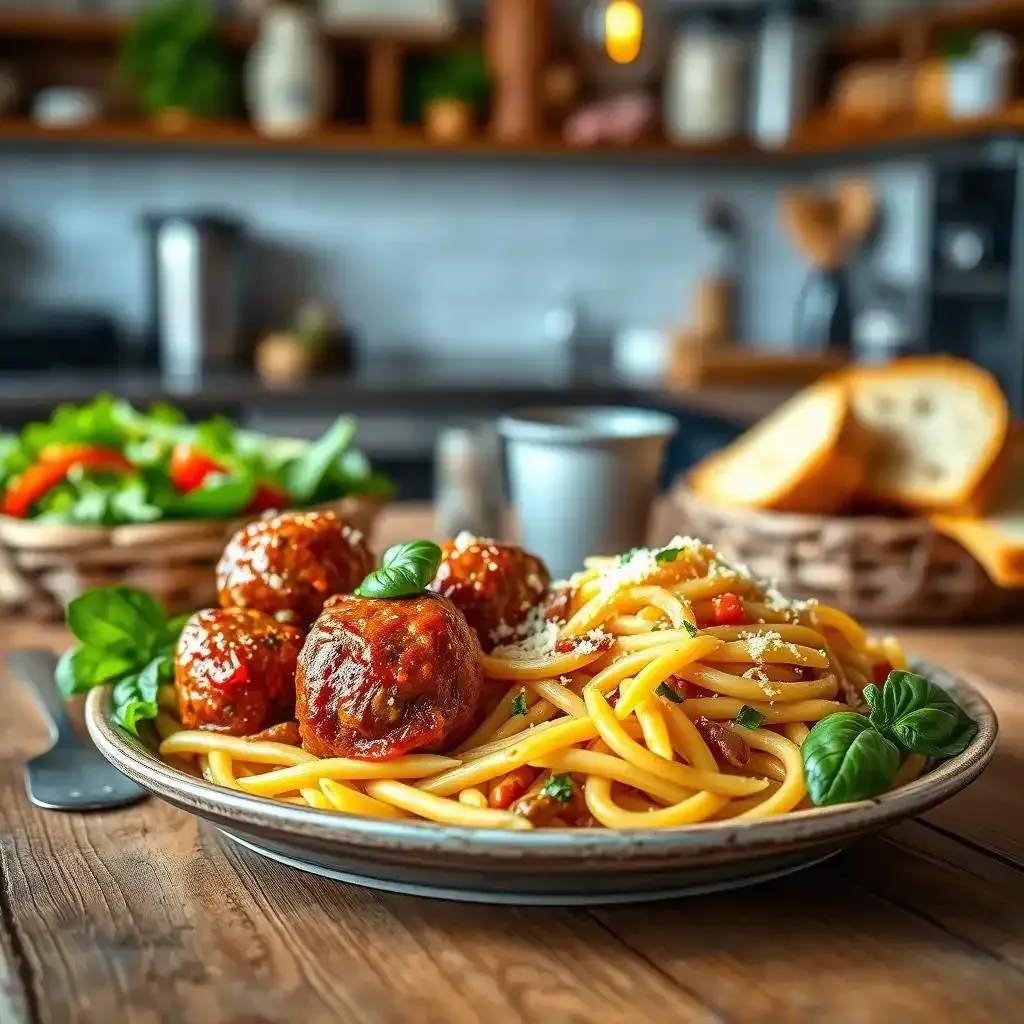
<point x="434" y="390"/>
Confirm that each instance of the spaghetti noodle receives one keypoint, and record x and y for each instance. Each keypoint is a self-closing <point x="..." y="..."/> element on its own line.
<point x="675" y="690"/>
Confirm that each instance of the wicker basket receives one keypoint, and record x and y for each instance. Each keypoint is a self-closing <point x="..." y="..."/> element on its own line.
<point x="876" y="569"/>
<point x="44" y="566"/>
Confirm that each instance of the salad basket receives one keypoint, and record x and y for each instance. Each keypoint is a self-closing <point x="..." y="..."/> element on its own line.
<point x="148" y="500"/>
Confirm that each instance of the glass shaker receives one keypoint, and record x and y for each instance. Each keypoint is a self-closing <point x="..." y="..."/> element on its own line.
<point x="469" y="492"/>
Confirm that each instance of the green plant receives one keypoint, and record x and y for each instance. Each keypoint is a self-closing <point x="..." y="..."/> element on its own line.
<point x="462" y="76"/>
<point x="957" y="44"/>
<point x="174" y="56"/>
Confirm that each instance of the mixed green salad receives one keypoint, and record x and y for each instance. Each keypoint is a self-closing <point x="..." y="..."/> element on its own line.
<point x="107" y="463"/>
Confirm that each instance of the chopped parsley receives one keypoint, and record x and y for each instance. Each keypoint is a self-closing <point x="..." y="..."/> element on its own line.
<point x="558" y="787"/>
<point x="749" y="718"/>
<point x="690" y="627"/>
<point x="666" y="691"/>
<point x="627" y="556"/>
<point x="668" y="554"/>
<point x="519" y="703"/>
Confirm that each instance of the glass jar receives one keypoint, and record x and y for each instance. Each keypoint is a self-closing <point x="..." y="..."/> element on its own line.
<point x="705" y="79"/>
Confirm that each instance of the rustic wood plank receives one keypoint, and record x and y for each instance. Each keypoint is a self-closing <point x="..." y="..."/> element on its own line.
<point x="818" y="944"/>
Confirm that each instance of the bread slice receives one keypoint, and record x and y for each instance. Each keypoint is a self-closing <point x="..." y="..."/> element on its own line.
<point x="808" y="456"/>
<point x="938" y="427"/>
<point x="997" y="541"/>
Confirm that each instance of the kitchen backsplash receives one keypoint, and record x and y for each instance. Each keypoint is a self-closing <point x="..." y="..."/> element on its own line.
<point x="443" y="256"/>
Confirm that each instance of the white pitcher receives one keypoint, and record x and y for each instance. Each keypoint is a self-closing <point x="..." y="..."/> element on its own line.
<point x="288" y="73"/>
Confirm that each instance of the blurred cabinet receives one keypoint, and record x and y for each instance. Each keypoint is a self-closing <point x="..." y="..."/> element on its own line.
<point x="976" y="262"/>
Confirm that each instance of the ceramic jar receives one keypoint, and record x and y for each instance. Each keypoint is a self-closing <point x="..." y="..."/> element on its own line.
<point x="288" y="73"/>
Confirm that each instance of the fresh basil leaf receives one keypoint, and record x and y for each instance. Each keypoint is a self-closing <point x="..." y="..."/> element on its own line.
<point x="174" y="628"/>
<point x="118" y="620"/>
<point x="405" y="570"/>
<point x="846" y="759"/>
<point x="690" y="627"/>
<point x="131" y="712"/>
<point x="219" y="497"/>
<point x="666" y="691"/>
<point x="518" y="705"/>
<point x="126" y="690"/>
<point x="303" y="476"/>
<point x="158" y="672"/>
<point x="668" y="554"/>
<point x="749" y="718"/>
<point x="558" y="787"/>
<point x="918" y="716"/>
<point x="83" y="667"/>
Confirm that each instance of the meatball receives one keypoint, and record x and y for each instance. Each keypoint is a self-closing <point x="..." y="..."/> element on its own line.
<point x="381" y="678"/>
<point x="234" y="671"/>
<point x="290" y="564"/>
<point x="494" y="585"/>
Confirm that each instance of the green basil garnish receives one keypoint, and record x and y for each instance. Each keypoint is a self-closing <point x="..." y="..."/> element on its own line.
<point x="558" y="787"/>
<point x="667" y="555"/>
<point x="666" y="691"/>
<point x="518" y="705"/>
<point x="690" y="627"/>
<point x="846" y="759"/>
<point x="405" y="570"/>
<point x="918" y="716"/>
<point x="124" y="638"/>
<point x="749" y="718"/>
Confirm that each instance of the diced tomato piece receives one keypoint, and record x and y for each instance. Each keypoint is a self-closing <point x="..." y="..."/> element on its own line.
<point x="880" y="672"/>
<point x="236" y="674"/>
<point x="190" y="467"/>
<point x="513" y="786"/>
<point x="266" y="498"/>
<point x="55" y="462"/>
<point x="728" y="610"/>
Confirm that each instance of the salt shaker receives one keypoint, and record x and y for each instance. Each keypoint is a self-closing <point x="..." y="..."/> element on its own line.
<point x="468" y="488"/>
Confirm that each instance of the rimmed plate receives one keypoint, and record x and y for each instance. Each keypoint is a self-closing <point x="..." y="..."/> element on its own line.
<point x="556" y="867"/>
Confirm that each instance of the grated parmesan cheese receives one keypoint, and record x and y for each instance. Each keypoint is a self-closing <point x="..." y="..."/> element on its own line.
<point x="758" y="644"/>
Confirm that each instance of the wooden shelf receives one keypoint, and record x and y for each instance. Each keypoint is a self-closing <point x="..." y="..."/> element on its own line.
<point x="239" y="135"/>
<point x="822" y="137"/>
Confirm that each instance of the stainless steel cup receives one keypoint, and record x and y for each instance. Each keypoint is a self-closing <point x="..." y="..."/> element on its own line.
<point x="583" y="480"/>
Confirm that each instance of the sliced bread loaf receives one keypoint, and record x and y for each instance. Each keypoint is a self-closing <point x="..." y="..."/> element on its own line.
<point x="938" y="428"/>
<point x="997" y="540"/>
<point x="808" y="456"/>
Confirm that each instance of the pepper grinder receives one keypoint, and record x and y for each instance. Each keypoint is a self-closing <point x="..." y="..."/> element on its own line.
<point x="469" y="493"/>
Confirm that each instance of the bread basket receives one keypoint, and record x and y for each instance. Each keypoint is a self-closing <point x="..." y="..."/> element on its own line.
<point x="43" y="566"/>
<point x="877" y="569"/>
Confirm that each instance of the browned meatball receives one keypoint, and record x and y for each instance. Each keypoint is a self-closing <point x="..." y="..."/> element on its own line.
<point x="290" y="564"/>
<point x="381" y="678"/>
<point x="234" y="671"/>
<point x="494" y="585"/>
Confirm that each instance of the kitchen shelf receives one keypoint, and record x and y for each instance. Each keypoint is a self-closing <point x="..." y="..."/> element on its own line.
<point x="821" y="137"/>
<point x="408" y="141"/>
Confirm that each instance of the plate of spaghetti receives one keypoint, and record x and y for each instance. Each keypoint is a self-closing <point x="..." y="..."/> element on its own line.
<point x="451" y="722"/>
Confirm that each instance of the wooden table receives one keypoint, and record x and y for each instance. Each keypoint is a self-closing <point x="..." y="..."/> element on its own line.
<point x="146" y="916"/>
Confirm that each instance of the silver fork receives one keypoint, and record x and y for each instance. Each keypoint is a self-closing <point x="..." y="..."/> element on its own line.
<point x="72" y="775"/>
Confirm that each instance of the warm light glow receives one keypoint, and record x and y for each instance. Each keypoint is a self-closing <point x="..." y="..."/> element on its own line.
<point x="623" y="30"/>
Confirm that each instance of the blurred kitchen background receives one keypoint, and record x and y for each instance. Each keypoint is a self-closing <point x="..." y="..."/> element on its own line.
<point x="426" y="212"/>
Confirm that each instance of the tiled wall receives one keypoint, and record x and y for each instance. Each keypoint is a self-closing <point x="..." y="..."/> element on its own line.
<point x="446" y="256"/>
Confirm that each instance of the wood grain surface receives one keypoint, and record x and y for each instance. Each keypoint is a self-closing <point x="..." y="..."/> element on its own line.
<point x="145" y="916"/>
